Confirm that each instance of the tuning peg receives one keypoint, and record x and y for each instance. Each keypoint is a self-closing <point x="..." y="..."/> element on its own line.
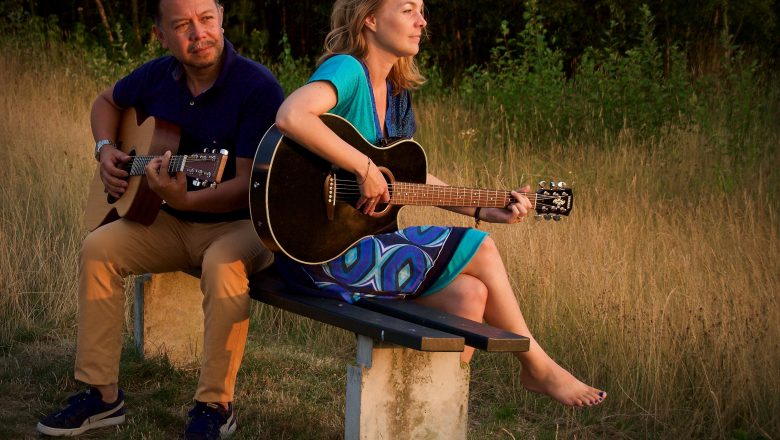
<point x="557" y="217"/>
<point x="561" y="184"/>
<point x="541" y="183"/>
<point x="195" y="182"/>
<point x="213" y="185"/>
<point x="205" y="150"/>
<point x="547" y="216"/>
<point x="537" y="217"/>
<point x="223" y="152"/>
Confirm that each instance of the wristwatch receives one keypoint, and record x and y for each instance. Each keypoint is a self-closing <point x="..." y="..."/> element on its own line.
<point x="99" y="146"/>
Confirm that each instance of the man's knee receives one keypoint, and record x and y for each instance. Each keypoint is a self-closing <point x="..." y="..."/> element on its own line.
<point x="97" y="245"/>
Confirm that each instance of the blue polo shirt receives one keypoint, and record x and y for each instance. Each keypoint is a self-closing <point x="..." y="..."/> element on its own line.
<point x="233" y="114"/>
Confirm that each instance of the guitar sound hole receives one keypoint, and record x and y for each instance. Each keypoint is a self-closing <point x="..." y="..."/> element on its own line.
<point x="380" y="208"/>
<point x="349" y="191"/>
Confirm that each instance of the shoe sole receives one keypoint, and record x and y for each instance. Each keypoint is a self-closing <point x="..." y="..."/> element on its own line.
<point x="64" y="432"/>
<point x="229" y="427"/>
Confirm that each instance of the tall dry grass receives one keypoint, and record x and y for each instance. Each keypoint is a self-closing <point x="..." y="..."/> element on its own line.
<point x="45" y="151"/>
<point x="659" y="288"/>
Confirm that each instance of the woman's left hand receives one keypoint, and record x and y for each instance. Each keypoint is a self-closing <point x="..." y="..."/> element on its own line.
<point x="514" y="213"/>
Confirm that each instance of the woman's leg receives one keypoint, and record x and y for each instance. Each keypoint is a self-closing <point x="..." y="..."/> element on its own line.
<point x="540" y="373"/>
<point x="465" y="296"/>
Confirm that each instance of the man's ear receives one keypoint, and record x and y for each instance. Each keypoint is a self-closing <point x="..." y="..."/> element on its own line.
<point x="221" y="11"/>
<point x="160" y="36"/>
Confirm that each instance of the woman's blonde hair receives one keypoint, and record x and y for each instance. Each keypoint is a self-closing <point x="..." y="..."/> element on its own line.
<point x="347" y="22"/>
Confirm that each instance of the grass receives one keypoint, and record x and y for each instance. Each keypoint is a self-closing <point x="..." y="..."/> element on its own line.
<point x="659" y="288"/>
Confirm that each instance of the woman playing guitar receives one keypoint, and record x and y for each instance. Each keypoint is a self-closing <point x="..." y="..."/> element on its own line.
<point x="365" y="76"/>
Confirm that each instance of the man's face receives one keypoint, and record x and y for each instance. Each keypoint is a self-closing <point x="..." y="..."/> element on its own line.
<point x="192" y="31"/>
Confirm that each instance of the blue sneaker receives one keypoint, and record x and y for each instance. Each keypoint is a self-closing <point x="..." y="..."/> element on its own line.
<point x="86" y="410"/>
<point x="210" y="421"/>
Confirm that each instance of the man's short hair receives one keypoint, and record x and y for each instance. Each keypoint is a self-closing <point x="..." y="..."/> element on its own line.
<point x="156" y="11"/>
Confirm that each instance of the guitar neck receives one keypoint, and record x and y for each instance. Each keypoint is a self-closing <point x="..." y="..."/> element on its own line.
<point x="136" y="165"/>
<point x="439" y="195"/>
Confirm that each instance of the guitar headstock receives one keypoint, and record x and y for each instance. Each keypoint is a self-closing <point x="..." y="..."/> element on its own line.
<point x="206" y="168"/>
<point x="554" y="201"/>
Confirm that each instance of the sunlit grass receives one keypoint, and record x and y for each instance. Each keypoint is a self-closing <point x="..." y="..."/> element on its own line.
<point x="659" y="287"/>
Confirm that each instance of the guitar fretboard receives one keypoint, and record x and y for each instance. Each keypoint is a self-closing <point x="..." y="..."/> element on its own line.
<point x="439" y="195"/>
<point x="137" y="164"/>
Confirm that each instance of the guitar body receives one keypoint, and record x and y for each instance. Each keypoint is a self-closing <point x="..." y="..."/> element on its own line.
<point x="137" y="136"/>
<point x="288" y="194"/>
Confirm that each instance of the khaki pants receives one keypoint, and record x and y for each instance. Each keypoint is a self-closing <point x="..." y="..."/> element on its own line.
<point x="226" y="252"/>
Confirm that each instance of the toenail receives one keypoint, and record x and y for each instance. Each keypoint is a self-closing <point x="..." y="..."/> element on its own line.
<point x="601" y="393"/>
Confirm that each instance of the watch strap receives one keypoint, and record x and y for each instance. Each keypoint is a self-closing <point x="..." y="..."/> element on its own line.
<point x="99" y="146"/>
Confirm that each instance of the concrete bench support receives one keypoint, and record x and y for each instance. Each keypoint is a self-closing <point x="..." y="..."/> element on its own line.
<point x="168" y="317"/>
<point x="407" y="381"/>
<point x="399" y="393"/>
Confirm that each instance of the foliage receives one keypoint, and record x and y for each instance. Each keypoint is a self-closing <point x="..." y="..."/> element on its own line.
<point x="524" y="79"/>
<point x="637" y="92"/>
<point x="461" y="33"/>
<point x="630" y="90"/>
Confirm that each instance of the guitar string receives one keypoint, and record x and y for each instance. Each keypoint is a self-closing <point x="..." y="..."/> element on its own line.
<point x="529" y="195"/>
<point x="352" y="185"/>
<point x="349" y="188"/>
<point x="444" y="201"/>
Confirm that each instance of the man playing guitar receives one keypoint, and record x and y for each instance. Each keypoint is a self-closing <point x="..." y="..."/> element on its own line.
<point x="220" y="100"/>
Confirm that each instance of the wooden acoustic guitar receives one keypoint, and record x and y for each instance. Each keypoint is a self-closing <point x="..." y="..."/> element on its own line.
<point x="303" y="206"/>
<point x="145" y="138"/>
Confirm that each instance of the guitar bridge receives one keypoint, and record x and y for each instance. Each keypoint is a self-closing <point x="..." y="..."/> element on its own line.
<point x="329" y="194"/>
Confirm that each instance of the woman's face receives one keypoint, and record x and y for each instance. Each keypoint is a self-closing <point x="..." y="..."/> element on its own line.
<point x="397" y="27"/>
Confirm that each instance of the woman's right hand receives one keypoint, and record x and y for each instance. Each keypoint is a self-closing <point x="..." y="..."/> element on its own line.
<point x="373" y="189"/>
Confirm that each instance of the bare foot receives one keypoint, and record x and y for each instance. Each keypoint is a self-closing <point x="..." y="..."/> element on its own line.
<point x="559" y="384"/>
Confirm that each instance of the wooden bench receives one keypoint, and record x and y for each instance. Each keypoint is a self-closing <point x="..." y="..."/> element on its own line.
<point x="407" y="380"/>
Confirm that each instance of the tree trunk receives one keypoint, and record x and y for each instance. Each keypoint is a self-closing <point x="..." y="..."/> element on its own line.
<point x="136" y="24"/>
<point x="103" y="18"/>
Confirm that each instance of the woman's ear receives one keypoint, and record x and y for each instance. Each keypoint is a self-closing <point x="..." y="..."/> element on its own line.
<point x="370" y="22"/>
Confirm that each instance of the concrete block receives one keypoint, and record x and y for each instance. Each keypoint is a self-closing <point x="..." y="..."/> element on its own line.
<point x="168" y="317"/>
<point x="400" y="393"/>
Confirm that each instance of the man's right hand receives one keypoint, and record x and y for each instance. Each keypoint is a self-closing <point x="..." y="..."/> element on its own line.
<point x="114" y="178"/>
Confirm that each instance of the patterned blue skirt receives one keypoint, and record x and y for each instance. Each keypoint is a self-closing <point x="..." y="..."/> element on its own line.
<point x="408" y="263"/>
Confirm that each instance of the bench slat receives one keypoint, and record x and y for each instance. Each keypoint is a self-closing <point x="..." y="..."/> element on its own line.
<point x="476" y="334"/>
<point x="268" y="288"/>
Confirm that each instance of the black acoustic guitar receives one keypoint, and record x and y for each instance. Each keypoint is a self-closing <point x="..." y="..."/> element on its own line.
<point x="303" y="206"/>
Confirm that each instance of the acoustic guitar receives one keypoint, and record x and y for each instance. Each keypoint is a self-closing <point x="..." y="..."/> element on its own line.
<point x="145" y="138"/>
<point x="303" y="206"/>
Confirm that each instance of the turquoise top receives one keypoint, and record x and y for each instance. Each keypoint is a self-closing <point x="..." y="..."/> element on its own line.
<point x="355" y="100"/>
